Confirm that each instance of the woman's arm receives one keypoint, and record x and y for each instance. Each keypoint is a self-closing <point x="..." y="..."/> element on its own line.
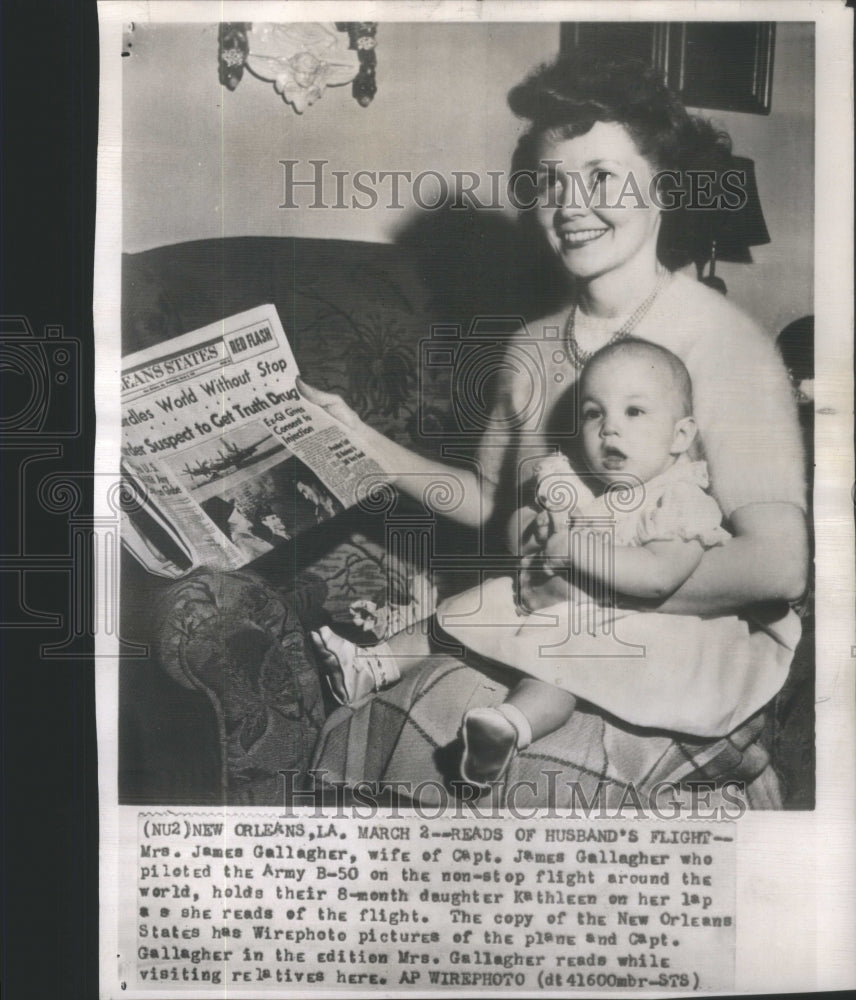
<point x="416" y="471"/>
<point x="766" y="560"/>
<point x="748" y="426"/>
<point x="652" y="571"/>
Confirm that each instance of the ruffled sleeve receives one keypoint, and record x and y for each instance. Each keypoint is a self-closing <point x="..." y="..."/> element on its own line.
<point x="552" y="465"/>
<point x="683" y="511"/>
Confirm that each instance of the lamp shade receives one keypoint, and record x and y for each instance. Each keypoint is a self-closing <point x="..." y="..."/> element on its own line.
<point x="736" y="230"/>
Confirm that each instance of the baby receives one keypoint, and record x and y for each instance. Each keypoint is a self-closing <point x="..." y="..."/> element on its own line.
<point x="637" y="428"/>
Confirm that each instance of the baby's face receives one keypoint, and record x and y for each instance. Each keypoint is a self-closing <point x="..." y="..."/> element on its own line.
<point x="631" y="419"/>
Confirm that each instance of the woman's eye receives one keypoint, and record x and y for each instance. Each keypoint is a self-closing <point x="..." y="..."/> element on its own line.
<point x="601" y="177"/>
<point x="547" y="181"/>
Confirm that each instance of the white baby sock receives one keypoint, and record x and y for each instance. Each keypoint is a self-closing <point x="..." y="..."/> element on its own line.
<point x="519" y="721"/>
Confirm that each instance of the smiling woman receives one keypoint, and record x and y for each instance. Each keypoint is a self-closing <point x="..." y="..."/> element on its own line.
<point x="612" y="148"/>
<point x="595" y="234"/>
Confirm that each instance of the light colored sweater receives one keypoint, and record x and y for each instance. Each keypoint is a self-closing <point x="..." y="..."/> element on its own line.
<point x="742" y="399"/>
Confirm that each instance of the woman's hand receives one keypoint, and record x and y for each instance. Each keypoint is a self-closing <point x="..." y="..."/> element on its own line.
<point x="411" y="473"/>
<point x="332" y="403"/>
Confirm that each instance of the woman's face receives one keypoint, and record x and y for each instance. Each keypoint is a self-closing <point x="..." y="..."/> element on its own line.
<point x="594" y="201"/>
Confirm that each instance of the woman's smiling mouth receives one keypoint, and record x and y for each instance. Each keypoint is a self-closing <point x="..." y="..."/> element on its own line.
<point x="582" y="237"/>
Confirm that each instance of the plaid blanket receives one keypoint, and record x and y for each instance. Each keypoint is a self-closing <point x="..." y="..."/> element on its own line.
<point x="409" y="735"/>
<point x="243" y="644"/>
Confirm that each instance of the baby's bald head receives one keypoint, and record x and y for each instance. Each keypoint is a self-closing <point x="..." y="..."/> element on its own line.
<point x="654" y="363"/>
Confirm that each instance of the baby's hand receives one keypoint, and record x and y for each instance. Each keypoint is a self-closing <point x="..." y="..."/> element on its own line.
<point x="584" y="547"/>
<point x="557" y="532"/>
<point x="526" y="531"/>
<point x="550" y="490"/>
<point x="542" y="528"/>
<point x="556" y="551"/>
<point x="538" y="586"/>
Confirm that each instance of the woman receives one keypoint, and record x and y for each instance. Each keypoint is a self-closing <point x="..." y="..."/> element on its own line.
<point x="605" y="141"/>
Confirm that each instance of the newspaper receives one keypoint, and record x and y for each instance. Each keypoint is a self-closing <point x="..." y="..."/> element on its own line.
<point x="221" y="443"/>
<point x="337" y="889"/>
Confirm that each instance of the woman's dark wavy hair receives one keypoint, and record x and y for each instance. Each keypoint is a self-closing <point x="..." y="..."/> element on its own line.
<point x="566" y="97"/>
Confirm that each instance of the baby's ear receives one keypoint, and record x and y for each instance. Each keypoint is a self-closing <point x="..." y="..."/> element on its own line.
<point x="683" y="435"/>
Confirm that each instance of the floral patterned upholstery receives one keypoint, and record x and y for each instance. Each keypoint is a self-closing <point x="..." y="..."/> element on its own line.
<point x="354" y="313"/>
<point x="233" y="638"/>
<point x="357" y="315"/>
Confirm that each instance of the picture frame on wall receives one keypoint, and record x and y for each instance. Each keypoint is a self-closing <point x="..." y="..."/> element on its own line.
<point x="724" y="66"/>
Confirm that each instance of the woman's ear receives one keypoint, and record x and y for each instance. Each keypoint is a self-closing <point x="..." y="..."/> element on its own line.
<point x="683" y="436"/>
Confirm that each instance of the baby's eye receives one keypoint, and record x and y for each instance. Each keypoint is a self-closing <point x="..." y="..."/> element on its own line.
<point x="591" y="413"/>
<point x="634" y="411"/>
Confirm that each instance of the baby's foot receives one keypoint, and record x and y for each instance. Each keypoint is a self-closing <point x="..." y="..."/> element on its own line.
<point x="490" y="740"/>
<point x="353" y="673"/>
<point x="346" y="676"/>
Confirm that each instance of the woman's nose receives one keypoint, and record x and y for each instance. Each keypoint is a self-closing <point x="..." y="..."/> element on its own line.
<point x="568" y="199"/>
<point x="568" y="203"/>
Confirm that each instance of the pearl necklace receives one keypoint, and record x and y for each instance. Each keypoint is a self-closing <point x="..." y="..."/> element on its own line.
<point x="579" y="357"/>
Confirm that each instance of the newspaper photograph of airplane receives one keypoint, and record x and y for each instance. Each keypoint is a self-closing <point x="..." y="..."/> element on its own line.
<point x="227" y="459"/>
<point x="206" y="468"/>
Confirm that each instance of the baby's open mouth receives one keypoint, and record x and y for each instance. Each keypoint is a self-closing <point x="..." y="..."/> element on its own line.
<point x="612" y="458"/>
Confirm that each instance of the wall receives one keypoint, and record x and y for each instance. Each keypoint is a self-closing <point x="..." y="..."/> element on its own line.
<point x="778" y="287"/>
<point x="200" y="161"/>
<point x="440" y="105"/>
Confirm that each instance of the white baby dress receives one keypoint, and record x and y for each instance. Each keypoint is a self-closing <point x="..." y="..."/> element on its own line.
<point x="662" y="671"/>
